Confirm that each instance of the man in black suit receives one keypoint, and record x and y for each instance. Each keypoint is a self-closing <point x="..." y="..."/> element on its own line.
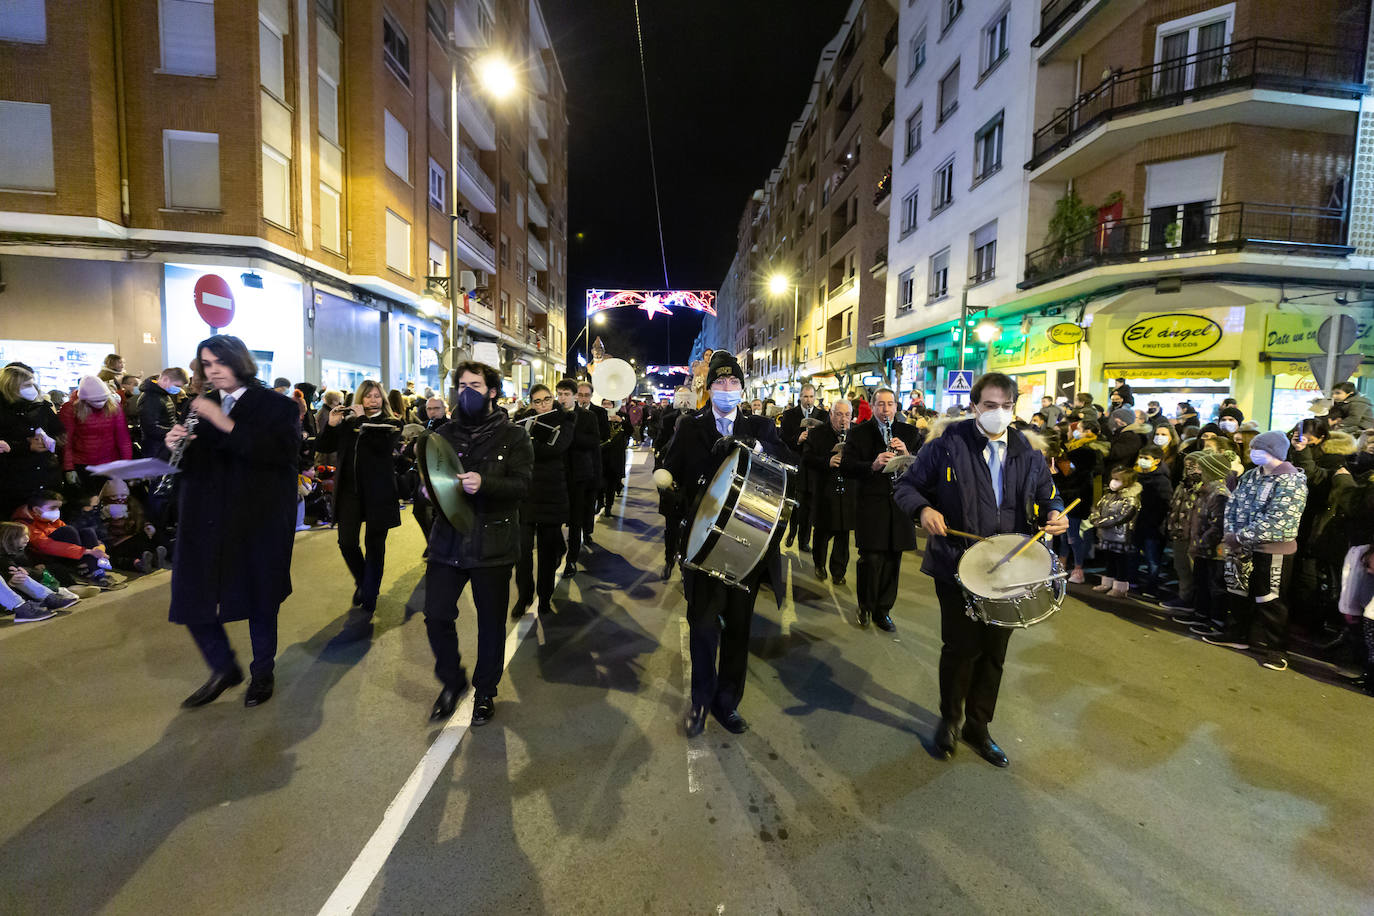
<point x="670" y="501"/>
<point x="882" y="531"/>
<point x="703" y="440"/>
<point x="584" y="472"/>
<point x="237" y="520"/>
<point x="603" y="432"/>
<point x="833" y="505"/>
<point x="793" y="435"/>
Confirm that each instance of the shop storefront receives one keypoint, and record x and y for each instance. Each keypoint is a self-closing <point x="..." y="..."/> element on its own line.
<point x="1043" y="360"/>
<point x="267" y="316"/>
<point x="415" y="343"/>
<point x="1290" y="340"/>
<point x="346" y="342"/>
<point x="57" y="365"/>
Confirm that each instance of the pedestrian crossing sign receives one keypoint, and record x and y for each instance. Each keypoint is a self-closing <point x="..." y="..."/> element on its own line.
<point x="960" y="381"/>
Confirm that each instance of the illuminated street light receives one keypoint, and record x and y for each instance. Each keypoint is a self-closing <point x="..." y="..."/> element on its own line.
<point x="987" y="331"/>
<point x="497" y="76"/>
<point x="599" y="318"/>
<point x="779" y="284"/>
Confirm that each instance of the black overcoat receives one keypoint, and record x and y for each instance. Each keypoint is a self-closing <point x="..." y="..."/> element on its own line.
<point x="366" y="478"/>
<point x="881" y="525"/>
<point x="832" y="490"/>
<point x="237" y="513"/>
<point x="548" y="500"/>
<point x="500" y="451"/>
<point x="23" y="471"/>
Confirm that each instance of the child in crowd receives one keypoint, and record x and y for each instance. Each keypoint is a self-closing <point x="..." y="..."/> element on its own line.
<point x="1206" y="532"/>
<point x="1178" y="524"/>
<point x="18" y="577"/>
<point x="1155" y="493"/>
<point x="1114" y="519"/>
<point x="69" y="552"/>
<point x="305" y="488"/>
<point x="1357" y="605"/>
<point x="126" y="532"/>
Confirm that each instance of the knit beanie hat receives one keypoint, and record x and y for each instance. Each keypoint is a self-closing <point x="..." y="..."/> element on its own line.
<point x="1213" y="465"/>
<point x="1273" y="442"/>
<point x="723" y="365"/>
<point x="1124" y="415"/>
<point x="93" y="391"/>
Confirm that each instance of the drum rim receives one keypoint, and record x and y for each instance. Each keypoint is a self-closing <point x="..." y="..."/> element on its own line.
<point x="727" y="509"/>
<point x="1055" y="582"/>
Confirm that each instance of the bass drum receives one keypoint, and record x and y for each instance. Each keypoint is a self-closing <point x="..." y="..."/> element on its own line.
<point x="738" y="512"/>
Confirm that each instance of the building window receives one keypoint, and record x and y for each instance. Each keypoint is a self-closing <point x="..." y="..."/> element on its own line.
<point x="272" y="57"/>
<point x="397" y="243"/>
<point x="329" y="109"/>
<point x="190" y="164"/>
<point x="1195" y="43"/>
<point x="331" y="218"/>
<point x="24" y="20"/>
<point x="438" y="260"/>
<point x="505" y="189"/>
<point x="944" y="187"/>
<point x="186" y="32"/>
<point x="984" y="243"/>
<point x="916" y="56"/>
<point x="438" y="180"/>
<point x="505" y="251"/>
<point x="437" y="18"/>
<point x="438" y="102"/>
<point x="395" y="49"/>
<point x="909" y="212"/>
<point x="939" y="276"/>
<point x="949" y="93"/>
<point x="906" y="288"/>
<point x="949" y="11"/>
<point x="26" y="162"/>
<point x="987" y="149"/>
<point x="995" y="42"/>
<point x="505" y="307"/>
<point x="913" y="130"/>
<point x="397" y="147"/>
<point x="276" y="187"/>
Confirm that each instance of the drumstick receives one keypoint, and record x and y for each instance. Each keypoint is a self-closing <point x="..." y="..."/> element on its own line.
<point x="964" y="534"/>
<point x="1029" y="541"/>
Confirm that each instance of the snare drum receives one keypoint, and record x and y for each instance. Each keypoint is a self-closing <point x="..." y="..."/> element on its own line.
<point x="738" y="512"/>
<point x="1020" y="592"/>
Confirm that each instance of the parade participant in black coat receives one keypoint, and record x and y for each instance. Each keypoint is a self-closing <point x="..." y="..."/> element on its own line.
<point x="29" y="436"/>
<point x="365" y="436"/>
<point x="498" y="463"/>
<point x="883" y="531"/>
<point x="670" y="504"/>
<point x="584" y="471"/>
<point x="157" y="410"/>
<point x="436" y="415"/>
<point x="982" y="477"/>
<point x="237" y="517"/>
<point x="551" y="430"/>
<point x="613" y="463"/>
<point x="793" y="436"/>
<point x="833" y="506"/>
<point x="719" y="658"/>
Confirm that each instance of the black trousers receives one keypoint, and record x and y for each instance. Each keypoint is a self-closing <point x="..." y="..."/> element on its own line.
<point x="800" y="521"/>
<point x="836" y="544"/>
<point x="672" y="534"/>
<point x="84" y="537"/>
<point x="213" y="643"/>
<point x="365" y="567"/>
<point x="549" y="538"/>
<point x="1262" y="608"/>
<point x="879" y="571"/>
<point x="581" y="515"/>
<point x="718" y="618"/>
<point x="491" y="595"/>
<point x="971" y="657"/>
<point x="1209" y="589"/>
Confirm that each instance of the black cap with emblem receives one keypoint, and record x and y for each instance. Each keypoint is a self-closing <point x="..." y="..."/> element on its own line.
<point x="723" y="365"/>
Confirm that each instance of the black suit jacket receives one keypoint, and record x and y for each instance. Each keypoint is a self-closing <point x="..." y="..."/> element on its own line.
<point x="791" y="423"/>
<point x="880" y="524"/>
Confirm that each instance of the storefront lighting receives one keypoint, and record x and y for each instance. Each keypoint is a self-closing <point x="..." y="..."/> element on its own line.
<point x="988" y="332"/>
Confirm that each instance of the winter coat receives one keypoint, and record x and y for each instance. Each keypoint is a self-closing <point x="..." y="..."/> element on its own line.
<point x="1321" y="463"/>
<point x="880" y="525"/>
<point x="1265" y="510"/>
<point x="41" y="539"/>
<point x="613" y="454"/>
<point x="1114" y="517"/>
<point x="951" y="476"/>
<point x="1125" y="447"/>
<point x="157" y="414"/>
<point x="584" y="457"/>
<point x="1207" y="521"/>
<point x="1178" y="522"/>
<point x="1155" y="493"/>
<point x="501" y="452"/>
<point x="1358" y="414"/>
<point x="23" y="472"/>
<point x="1080" y="474"/>
<point x="237" y="512"/>
<point x="100" y="438"/>
<point x="1352" y="568"/>
<point x="366" y="478"/>
<point x="1341" y="521"/>
<point x="547" y="503"/>
<point x="833" y="491"/>
<point x="791" y="424"/>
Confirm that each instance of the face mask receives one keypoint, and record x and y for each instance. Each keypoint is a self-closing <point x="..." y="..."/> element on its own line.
<point x="174" y="389"/>
<point x="1152" y="411"/>
<point x="116" y="510"/>
<point x="1192" y="476"/>
<point x="1261" y="459"/>
<point x="472" y="403"/>
<point x="1145" y="464"/>
<point x="1078" y="434"/>
<point x="995" y="422"/>
<point x="51" y="515"/>
<point x="29" y="392"/>
<point x="683" y="403"/>
<point x="1115" y="484"/>
<point x="726" y="401"/>
<point x="1229" y="425"/>
<point x="1162" y="440"/>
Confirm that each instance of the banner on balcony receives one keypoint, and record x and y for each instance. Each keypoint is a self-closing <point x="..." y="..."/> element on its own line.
<point x="651" y="301"/>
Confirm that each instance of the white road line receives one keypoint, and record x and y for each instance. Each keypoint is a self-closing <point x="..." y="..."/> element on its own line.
<point x="368" y="865"/>
<point x="694" y="751"/>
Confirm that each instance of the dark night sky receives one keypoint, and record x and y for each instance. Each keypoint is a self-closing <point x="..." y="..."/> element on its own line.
<point x="726" y="80"/>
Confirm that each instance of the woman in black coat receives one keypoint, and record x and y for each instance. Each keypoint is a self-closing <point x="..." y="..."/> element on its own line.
<point x="28" y="460"/>
<point x="365" y="436"/>
<point x="551" y="430"/>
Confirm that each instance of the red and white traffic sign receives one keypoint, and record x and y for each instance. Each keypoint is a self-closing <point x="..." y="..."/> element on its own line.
<point x="214" y="300"/>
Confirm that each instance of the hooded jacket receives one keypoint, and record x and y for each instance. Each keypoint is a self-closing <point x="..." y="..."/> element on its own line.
<point x="1358" y="413"/>
<point x="100" y="438"/>
<point x="1265" y="510"/>
<point x="157" y="414"/>
<point x="1114" y="517"/>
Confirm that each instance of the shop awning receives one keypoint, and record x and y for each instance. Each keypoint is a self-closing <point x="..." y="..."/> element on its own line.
<point x="1217" y="369"/>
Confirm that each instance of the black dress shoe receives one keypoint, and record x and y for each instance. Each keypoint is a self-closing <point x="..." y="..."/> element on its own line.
<point x="219" y="682"/>
<point x="570" y="570"/>
<point x="820" y="573"/>
<point x="521" y="606"/>
<point x="838" y="580"/>
<point x="986" y="748"/>
<point x="667" y="571"/>
<point x="791" y="539"/>
<point x="732" y="721"/>
<point x="259" y="690"/>
<point x="483" y="708"/>
<point x="446" y="703"/>
<point x="805" y="548"/>
<point x="862" y="618"/>
<point x="546" y="609"/>
<point x="946" y="736"/>
<point x="884" y="623"/>
<point x="696" y="721"/>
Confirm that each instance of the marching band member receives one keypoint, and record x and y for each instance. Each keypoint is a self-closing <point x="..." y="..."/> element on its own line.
<point x="551" y="430"/>
<point x="584" y="471"/>
<point x="498" y="463"/>
<point x="883" y="531"/>
<point x="669" y="500"/>
<point x="982" y="477"/>
<point x="833" y="507"/>
<point x="237" y="517"/>
<point x="702" y="441"/>
<point x="793" y="435"/>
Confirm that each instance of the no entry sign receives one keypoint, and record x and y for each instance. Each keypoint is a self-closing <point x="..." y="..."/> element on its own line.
<point x="214" y="300"/>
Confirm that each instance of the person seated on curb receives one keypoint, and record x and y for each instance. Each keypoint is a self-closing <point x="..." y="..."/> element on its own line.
<point x="60" y="544"/>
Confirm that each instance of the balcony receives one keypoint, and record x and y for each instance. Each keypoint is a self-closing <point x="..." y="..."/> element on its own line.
<point x="889" y="58"/>
<point x="475" y="120"/>
<point x="471" y="24"/>
<point x="879" y="268"/>
<point x="1156" y="238"/>
<point x="539" y="213"/>
<point x="879" y="327"/>
<point x="538" y="254"/>
<point x="1053" y="15"/>
<point x="1269" y="64"/>
<point x="539" y="118"/>
<point x="885" y="124"/>
<point x="839" y="343"/>
<point x="539" y="166"/>
<point x="474" y="183"/>
<point x="539" y="74"/>
<point x="474" y="248"/>
<point x="538" y="302"/>
<point x="882" y="195"/>
<point x="844" y="286"/>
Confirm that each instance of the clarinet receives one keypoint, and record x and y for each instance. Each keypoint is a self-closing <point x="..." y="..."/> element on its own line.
<point x="179" y="450"/>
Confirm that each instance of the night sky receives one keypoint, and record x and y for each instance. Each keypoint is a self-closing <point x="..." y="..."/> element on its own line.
<point x="726" y="80"/>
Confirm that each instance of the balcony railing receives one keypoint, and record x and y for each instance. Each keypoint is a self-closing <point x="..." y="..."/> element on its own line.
<point x="539" y="213"/>
<point x="1201" y="230"/>
<point x="889" y="111"/>
<point x="1257" y="63"/>
<point x="839" y="343"/>
<point x="1053" y="15"/>
<point x="474" y="239"/>
<point x="467" y="161"/>
<point x="537" y="299"/>
<point x="884" y="189"/>
<point x="539" y="166"/>
<point x="880" y="258"/>
<point x="879" y="325"/>
<point x="842" y="287"/>
<point x="889" y="43"/>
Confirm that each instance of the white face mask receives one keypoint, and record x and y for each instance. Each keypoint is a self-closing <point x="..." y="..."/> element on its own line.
<point x="29" y="392"/>
<point x="1078" y="434"/>
<point x="1261" y="459"/>
<point x="117" y="510"/>
<point x="1115" y="484"/>
<point x="1228" y="425"/>
<point x="51" y="515"/>
<point x="995" y="422"/>
<point x="1162" y="440"/>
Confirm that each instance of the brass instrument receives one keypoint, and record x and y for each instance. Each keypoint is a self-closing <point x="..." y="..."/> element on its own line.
<point x="164" y="486"/>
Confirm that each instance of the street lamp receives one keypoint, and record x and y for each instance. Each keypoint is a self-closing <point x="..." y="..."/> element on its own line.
<point x="598" y="319"/>
<point x="778" y="285"/>
<point x="988" y="331"/>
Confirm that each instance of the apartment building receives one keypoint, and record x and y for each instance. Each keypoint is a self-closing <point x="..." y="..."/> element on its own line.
<point x="815" y="224"/>
<point x="313" y="177"/>
<point x="1194" y="207"/>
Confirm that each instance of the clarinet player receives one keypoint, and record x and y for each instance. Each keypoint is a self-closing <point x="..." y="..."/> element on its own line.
<point x="237" y="517"/>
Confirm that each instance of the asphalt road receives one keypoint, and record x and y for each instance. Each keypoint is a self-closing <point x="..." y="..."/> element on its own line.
<point x="1150" y="773"/>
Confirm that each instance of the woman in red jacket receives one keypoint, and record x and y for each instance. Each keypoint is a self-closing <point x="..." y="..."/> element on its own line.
<point x="96" y="430"/>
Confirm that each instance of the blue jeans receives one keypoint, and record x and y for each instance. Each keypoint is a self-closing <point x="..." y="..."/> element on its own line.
<point x="1151" y="549"/>
<point x="1078" y="545"/>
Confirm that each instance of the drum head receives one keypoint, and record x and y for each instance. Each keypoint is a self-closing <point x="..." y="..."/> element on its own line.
<point x="439" y="469"/>
<point x="1034" y="566"/>
<point x="712" y="503"/>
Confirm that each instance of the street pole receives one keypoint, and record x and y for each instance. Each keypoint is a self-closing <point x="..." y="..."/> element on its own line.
<point x="454" y="165"/>
<point x="963" y="326"/>
<point x="796" y="340"/>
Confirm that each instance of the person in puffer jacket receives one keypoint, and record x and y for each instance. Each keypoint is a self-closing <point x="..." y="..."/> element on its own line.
<point x="1114" y="518"/>
<point x="1262" y="519"/>
<point x="1206" y="533"/>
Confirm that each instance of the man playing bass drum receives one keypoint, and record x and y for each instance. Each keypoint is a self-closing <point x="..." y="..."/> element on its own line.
<point x="982" y="477"/>
<point x="703" y="440"/>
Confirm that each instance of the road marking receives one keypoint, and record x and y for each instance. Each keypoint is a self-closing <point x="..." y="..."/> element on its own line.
<point x="694" y="752"/>
<point x="368" y="865"/>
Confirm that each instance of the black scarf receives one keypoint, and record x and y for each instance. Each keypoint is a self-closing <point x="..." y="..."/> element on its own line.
<point x="469" y="436"/>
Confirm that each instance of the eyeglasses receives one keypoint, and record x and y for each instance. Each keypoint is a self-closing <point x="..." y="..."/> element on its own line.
<point x="542" y="401"/>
